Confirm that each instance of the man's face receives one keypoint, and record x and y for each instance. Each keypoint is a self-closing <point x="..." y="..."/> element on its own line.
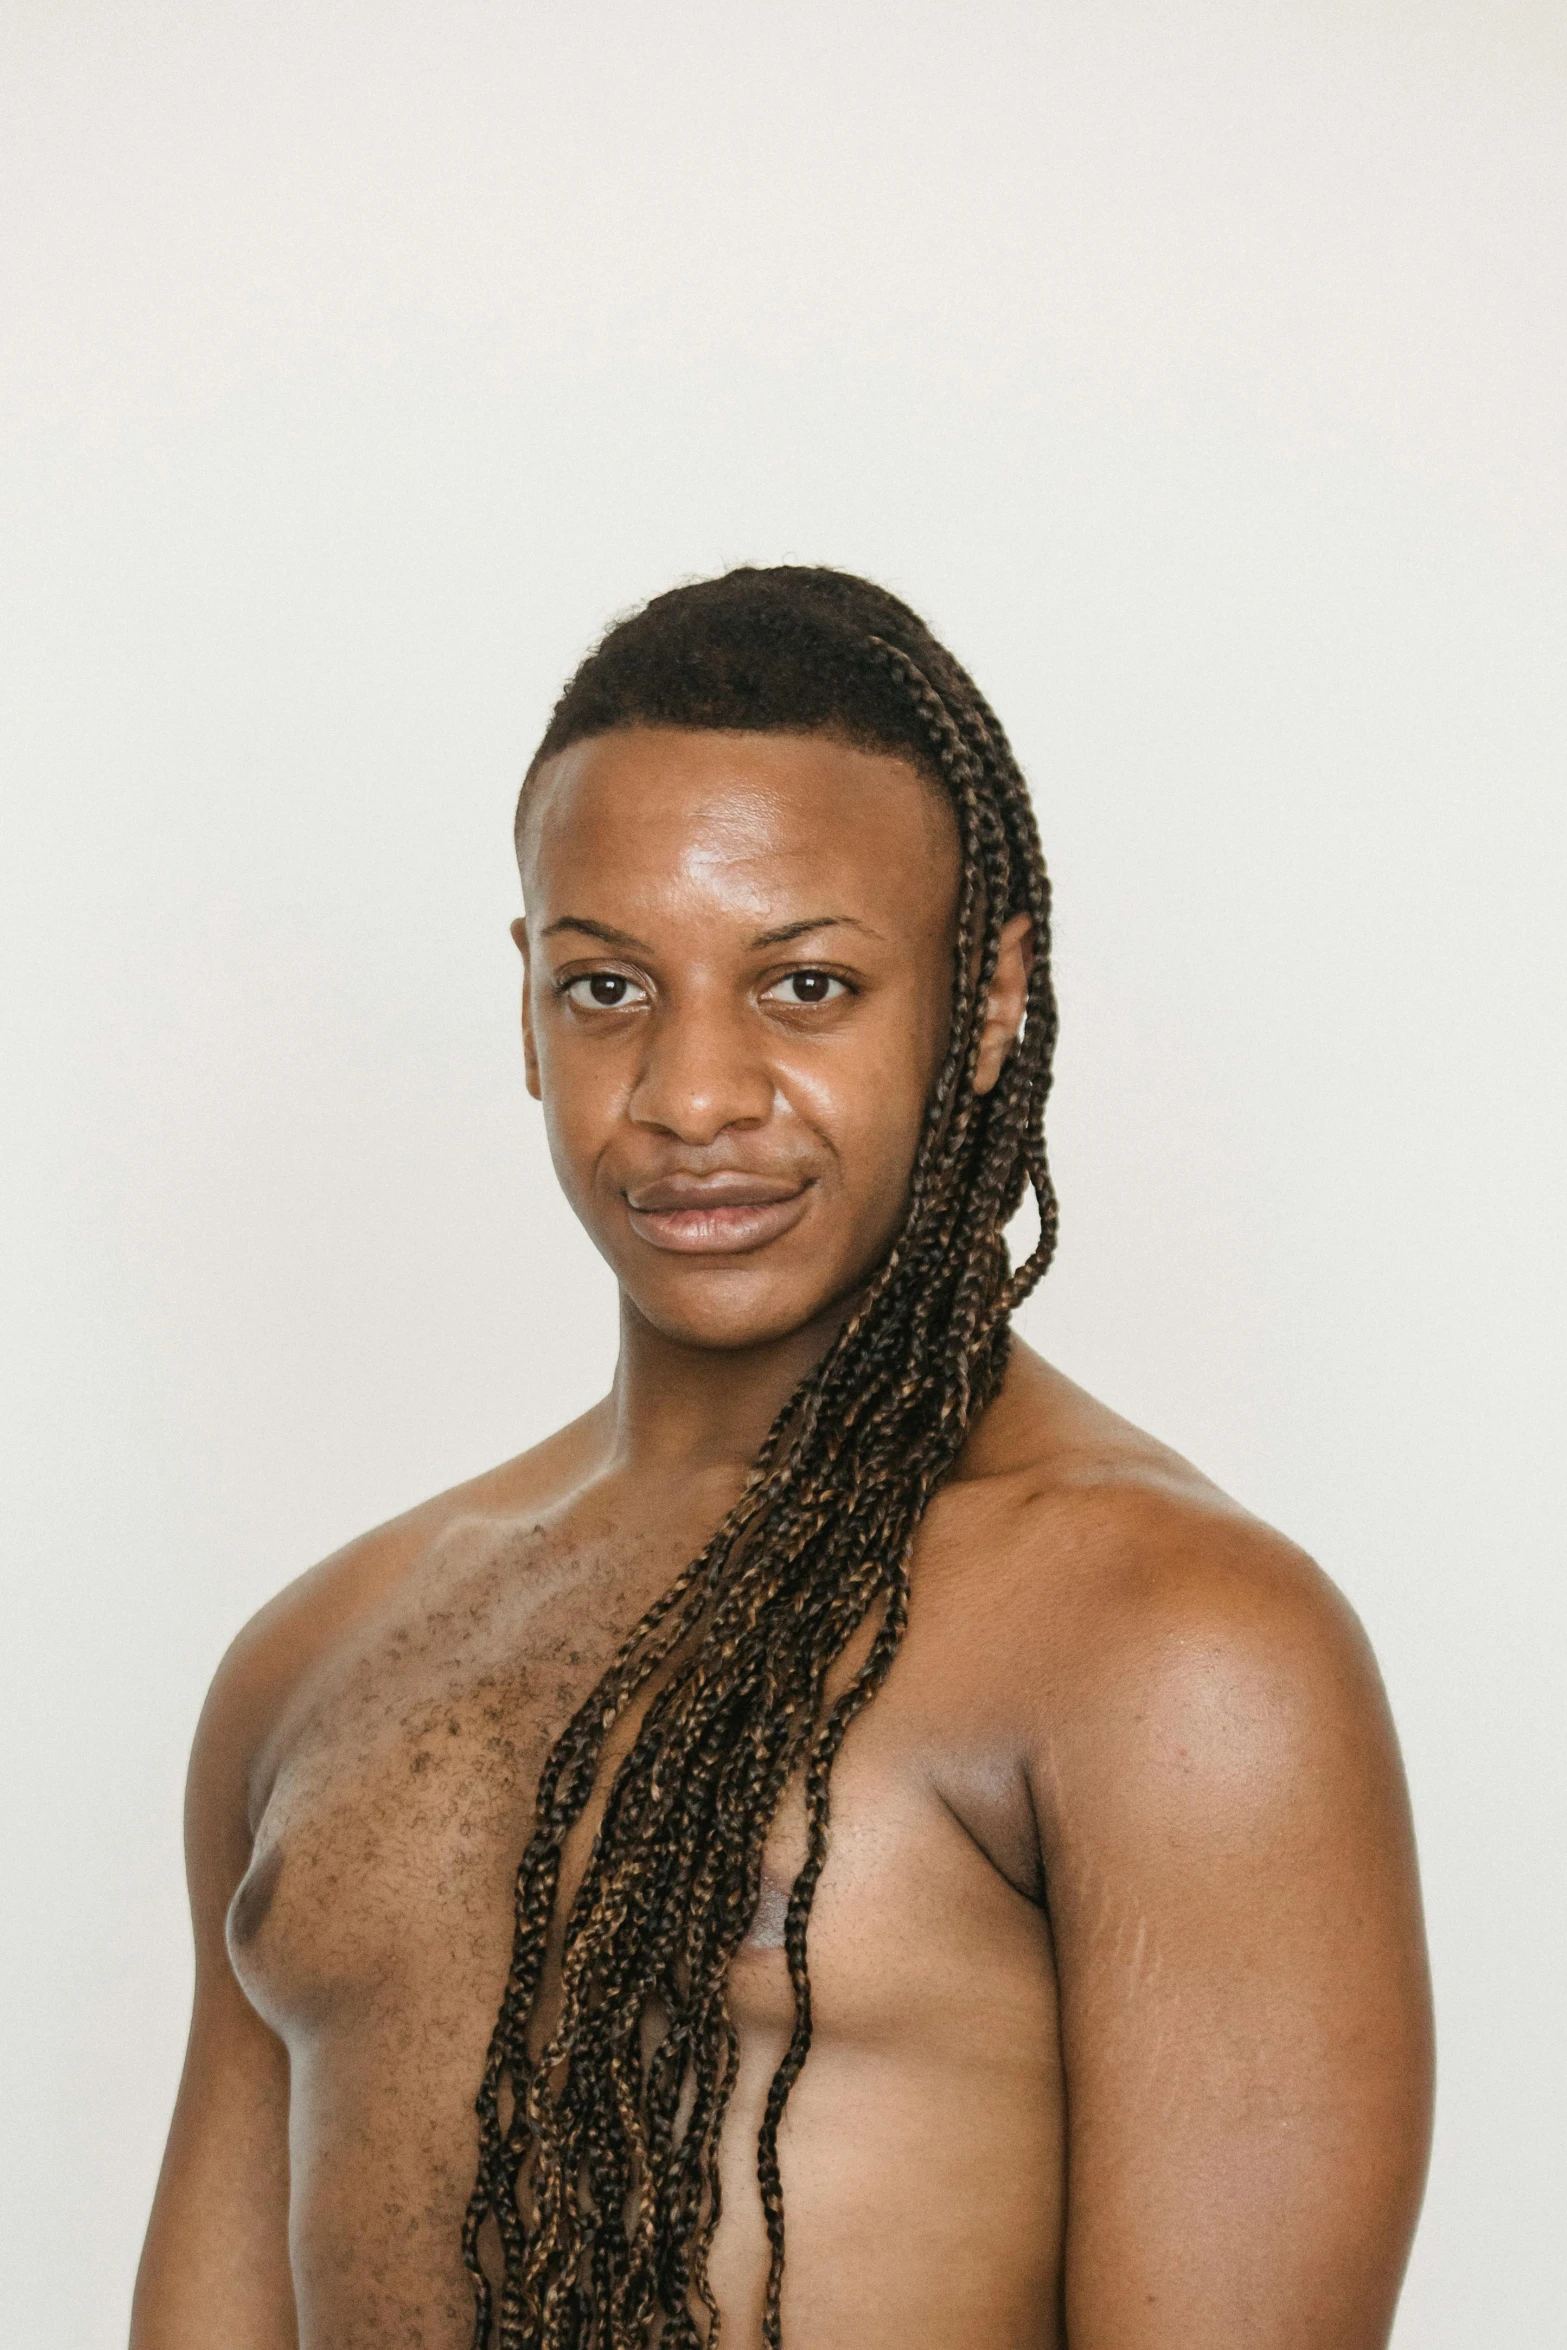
<point x="738" y="951"/>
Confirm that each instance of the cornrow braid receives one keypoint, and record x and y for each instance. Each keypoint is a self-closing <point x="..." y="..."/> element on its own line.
<point x="599" y="2131"/>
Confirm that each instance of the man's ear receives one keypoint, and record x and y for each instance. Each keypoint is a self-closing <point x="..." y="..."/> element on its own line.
<point x="1007" y="1001"/>
<point x="530" y="1051"/>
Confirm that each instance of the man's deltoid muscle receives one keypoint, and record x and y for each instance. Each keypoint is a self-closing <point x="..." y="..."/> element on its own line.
<point x="966" y="1896"/>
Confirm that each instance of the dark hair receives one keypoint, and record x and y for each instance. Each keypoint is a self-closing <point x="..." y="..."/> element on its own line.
<point x="598" y="2150"/>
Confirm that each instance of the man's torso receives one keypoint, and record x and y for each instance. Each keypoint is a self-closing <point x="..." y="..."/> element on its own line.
<point x="922" y="2153"/>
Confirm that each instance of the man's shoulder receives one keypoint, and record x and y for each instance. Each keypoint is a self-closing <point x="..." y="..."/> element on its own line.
<point x="283" y="1642"/>
<point x="1159" y="1662"/>
<point x="1107" y="1563"/>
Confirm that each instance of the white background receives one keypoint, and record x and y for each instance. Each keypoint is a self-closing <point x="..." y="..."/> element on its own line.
<point x="1199" y="371"/>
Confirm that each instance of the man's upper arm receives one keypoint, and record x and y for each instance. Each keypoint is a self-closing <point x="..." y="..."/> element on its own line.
<point x="215" y="2266"/>
<point x="1245" y="2014"/>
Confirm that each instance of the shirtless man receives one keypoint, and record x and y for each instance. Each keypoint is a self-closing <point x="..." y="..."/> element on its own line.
<point x="1093" y="2013"/>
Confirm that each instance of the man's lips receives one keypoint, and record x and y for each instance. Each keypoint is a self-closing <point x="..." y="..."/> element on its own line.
<point x="725" y="1214"/>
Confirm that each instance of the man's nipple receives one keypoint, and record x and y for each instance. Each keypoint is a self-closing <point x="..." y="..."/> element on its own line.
<point x="253" y="1898"/>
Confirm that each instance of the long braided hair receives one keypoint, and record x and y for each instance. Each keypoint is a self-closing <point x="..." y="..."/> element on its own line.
<point x="599" y="2129"/>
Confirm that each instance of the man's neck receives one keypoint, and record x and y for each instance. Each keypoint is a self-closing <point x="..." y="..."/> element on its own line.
<point x="678" y="1410"/>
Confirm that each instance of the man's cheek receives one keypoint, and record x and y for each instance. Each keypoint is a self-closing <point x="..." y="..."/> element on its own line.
<point x="581" y="1095"/>
<point x="575" y="1137"/>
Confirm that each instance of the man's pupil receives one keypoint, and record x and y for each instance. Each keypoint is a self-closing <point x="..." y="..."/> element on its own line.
<point x="607" y="987"/>
<point x="810" y="986"/>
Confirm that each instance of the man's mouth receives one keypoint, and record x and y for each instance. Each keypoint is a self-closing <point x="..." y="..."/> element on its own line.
<point x="715" y="1215"/>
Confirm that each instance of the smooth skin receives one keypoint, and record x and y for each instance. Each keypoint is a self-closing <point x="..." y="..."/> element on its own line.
<point x="1122" y="2023"/>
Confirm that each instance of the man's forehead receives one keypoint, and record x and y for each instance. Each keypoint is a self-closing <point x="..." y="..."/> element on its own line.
<point x="715" y="802"/>
<point x="745" y="816"/>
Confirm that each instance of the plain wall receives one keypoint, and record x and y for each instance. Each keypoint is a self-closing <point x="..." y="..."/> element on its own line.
<point x="1199" y="371"/>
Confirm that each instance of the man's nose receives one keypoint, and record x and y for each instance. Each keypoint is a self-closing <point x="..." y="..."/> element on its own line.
<point x="704" y="1072"/>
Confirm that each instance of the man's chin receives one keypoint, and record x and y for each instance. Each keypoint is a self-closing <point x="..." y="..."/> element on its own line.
<point x="724" y="1317"/>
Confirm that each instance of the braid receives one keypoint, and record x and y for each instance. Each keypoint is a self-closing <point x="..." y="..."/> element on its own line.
<point x="598" y="2153"/>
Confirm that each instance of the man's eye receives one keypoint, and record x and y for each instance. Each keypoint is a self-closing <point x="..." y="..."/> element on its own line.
<point x="604" y="991"/>
<point x="807" y="987"/>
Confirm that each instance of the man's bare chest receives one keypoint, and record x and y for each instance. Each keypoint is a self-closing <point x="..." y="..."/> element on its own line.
<point x="398" y="1793"/>
<point x="394" y="1797"/>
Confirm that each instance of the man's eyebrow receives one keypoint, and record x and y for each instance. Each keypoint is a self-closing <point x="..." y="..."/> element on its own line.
<point x="778" y="938"/>
<point x="599" y="930"/>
